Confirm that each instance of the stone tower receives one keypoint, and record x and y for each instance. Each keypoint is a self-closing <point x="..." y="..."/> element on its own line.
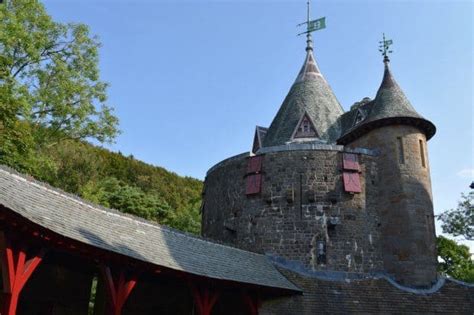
<point x="400" y="134"/>
<point x="332" y="190"/>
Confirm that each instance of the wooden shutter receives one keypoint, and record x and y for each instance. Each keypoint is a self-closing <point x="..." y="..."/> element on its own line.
<point x="351" y="182"/>
<point x="254" y="184"/>
<point x="350" y="162"/>
<point x="254" y="164"/>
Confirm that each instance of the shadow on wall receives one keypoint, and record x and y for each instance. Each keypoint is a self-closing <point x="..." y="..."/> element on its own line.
<point x="407" y="230"/>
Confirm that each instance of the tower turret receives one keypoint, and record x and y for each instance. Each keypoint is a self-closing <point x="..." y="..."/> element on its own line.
<point x="405" y="206"/>
<point x="310" y="111"/>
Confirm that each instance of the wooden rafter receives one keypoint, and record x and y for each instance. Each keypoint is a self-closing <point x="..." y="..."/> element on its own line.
<point x="17" y="269"/>
<point x="204" y="298"/>
<point x="118" y="288"/>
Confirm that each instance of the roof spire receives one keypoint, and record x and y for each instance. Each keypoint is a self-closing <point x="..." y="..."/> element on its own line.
<point x="311" y="26"/>
<point x="384" y="48"/>
<point x="309" y="39"/>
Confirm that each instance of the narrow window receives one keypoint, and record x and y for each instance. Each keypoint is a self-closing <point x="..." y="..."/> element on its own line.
<point x="401" y="154"/>
<point x="321" y="252"/>
<point x="422" y="154"/>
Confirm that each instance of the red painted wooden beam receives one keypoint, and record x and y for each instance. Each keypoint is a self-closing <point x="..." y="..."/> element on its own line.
<point x="204" y="299"/>
<point x="118" y="288"/>
<point x="253" y="303"/>
<point x="16" y="270"/>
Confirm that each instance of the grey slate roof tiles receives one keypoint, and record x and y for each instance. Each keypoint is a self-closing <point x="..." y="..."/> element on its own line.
<point x="372" y="296"/>
<point x="389" y="106"/>
<point x="123" y="234"/>
<point x="311" y="94"/>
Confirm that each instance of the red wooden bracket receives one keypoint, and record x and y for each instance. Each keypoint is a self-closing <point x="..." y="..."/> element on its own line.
<point x="253" y="303"/>
<point x="118" y="288"/>
<point x="16" y="270"/>
<point x="204" y="299"/>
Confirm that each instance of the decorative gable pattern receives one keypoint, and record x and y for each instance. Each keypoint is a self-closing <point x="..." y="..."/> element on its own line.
<point x="260" y="133"/>
<point x="305" y="128"/>
<point x="360" y="116"/>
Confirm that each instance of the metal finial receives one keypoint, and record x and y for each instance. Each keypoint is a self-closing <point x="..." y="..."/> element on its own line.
<point x="311" y="26"/>
<point x="309" y="39"/>
<point x="308" y="13"/>
<point x="384" y="48"/>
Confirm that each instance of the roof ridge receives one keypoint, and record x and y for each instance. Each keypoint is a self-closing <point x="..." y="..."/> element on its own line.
<point x="309" y="69"/>
<point x="42" y="185"/>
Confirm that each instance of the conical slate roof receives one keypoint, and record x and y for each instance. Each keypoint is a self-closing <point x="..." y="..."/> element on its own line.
<point x="312" y="95"/>
<point x="390" y="106"/>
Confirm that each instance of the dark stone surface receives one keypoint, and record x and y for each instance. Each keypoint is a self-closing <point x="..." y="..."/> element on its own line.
<point x="301" y="192"/>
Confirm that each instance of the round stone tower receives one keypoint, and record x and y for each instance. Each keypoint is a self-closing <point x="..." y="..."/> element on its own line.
<point x="328" y="190"/>
<point x="289" y="197"/>
<point x="392" y="127"/>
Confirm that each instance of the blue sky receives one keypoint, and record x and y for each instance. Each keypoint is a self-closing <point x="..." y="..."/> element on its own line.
<point x="191" y="79"/>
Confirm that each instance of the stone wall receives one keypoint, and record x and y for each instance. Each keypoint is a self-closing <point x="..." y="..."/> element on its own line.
<point x="302" y="202"/>
<point x="405" y="203"/>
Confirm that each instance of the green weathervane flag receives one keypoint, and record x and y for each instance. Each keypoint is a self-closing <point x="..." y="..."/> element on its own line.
<point x="316" y="25"/>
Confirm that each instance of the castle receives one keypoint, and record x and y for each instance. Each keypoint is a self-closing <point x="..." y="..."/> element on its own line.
<point x="331" y="212"/>
<point x="334" y="190"/>
<point x="329" y="192"/>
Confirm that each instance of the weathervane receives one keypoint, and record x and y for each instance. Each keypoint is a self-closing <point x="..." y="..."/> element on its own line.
<point x="312" y="26"/>
<point x="384" y="48"/>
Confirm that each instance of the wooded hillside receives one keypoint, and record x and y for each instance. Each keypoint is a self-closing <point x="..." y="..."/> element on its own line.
<point x="53" y="103"/>
<point x="116" y="181"/>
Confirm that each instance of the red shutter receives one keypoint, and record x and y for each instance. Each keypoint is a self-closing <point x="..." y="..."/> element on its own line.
<point x="254" y="184"/>
<point x="254" y="164"/>
<point x="351" y="182"/>
<point x="350" y="162"/>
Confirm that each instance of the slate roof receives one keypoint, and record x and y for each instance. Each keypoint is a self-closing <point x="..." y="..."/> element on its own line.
<point x="373" y="296"/>
<point x="260" y="133"/>
<point x="123" y="234"/>
<point x="311" y="94"/>
<point x="390" y="106"/>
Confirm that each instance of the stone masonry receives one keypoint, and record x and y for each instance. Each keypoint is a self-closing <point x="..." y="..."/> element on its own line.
<point x="405" y="203"/>
<point x="302" y="203"/>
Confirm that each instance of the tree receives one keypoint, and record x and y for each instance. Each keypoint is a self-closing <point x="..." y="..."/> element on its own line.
<point x="114" y="193"/>
<point x="455" y="260"/>
<point x="49" y="80"/>
<point x="460" y="221"/>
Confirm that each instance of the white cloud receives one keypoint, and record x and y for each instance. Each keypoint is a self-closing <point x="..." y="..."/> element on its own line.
<point x="466" y="173"/>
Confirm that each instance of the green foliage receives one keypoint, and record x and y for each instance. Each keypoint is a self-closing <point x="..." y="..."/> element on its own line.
<point x="456" y="260"/>
<point x="52" y="101"/>
<point x="460" y="221"/>
<point x="188" y="219"/>
<point x="126" y="184"/>
<point x="114" y="193"/>
<point x="49" y="78"/>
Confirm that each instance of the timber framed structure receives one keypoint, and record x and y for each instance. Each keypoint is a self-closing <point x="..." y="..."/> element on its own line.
<point x="43" y="230"/>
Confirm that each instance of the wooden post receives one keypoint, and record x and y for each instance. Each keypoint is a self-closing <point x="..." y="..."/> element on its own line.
<point x="253" y="303"/>
<point x="118" y="289"/>
<point x="16" y="270"/>
<point x="204" y="299"/>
